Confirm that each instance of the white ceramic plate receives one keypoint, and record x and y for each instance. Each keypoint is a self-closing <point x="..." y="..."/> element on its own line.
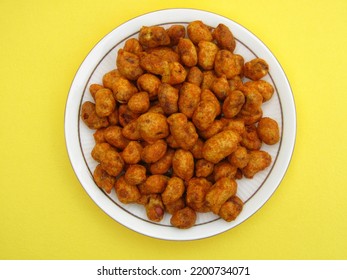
<point x="79" y="139"/>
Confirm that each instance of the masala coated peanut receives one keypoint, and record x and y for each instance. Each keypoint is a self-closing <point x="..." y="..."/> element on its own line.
<point x="196" y="194"/>
<point x="91" y="118"/>
<point x="104" y="180"/>
<point x="258" y="161"/>
<point x="152" y="126"/>
<point x="220" y="192"/>
<point x="183" y="164"/>
<point x="184" y="218"/>
<point x="126" y="192"/>
<point x="220" y="146"/>
<point x="224" y="37"/>
<point x="231" y="209"/>
<point x="182" y="130"/>
<point x="153" y="152"/>
<point x="174" y="190"/>
<point x="153" y="36"/>
<point x="135" y="174"/>
<point x="256" y="69"/>
<point x="132" y="152"/>
<point x="268" y="131"/>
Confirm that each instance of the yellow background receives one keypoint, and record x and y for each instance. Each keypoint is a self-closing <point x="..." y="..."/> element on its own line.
<point x="46" y="214"/>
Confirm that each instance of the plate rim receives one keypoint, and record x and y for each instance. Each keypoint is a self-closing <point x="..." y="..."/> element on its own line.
<point x="181" y="234"/>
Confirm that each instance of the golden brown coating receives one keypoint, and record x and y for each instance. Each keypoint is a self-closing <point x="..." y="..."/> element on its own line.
<point x="139" y="102"/>
<point x="249" y="117"/>
<point x="231" y="209"/>
<point x="208" y="79"/>
<point x="263" y="87"/>
<point x="253" y="99"/>
<point x="155" y="208"/>
<point x="153" y="36"/>
<point x="183" y="164"/>
<point x="176" y="32"/>
<point x="207" y="110"/>
<point x="93" y="88"/>
<point x="144" y="198"/>
<point x="113" y="118"/>
<point x="109" y="78"/>
<point x="184" y="218"/>
<point x="206" y="54"/>
<point x="152" y="126"/>
<point x="104" y="102"/>
<point x="162" y="165"/>
<point x="109" y="158"/>
<point x="213" y="129"/>
<point x="113" y="135"/>
<point x="195" y="76"/>
<point x="172" y="143"/>
<point x="99" y="150"/>
<point x="135" y="174"/>
<point x="173" y="207"/>
<point x="149" y="83"/>
<point x="203" y="168"/>
<point x="154" y="184"/>
<point x="187" y="52"/>
<point x="258" y="161"/>
<point x="123" y="89"/>
<point x="196" y="150"/>
<point x="126" y="193"/>
<point x="182" y="130"/>
<point x="171" y="72"/>
<point x="238" y="175"/>
<point x="103" y="180"/>
<point x="153" y="64"/>
<point x="220" y="87"/>
<point x="174" y="74"/>
<point x="251" y="111"/>
<point x="235" y="83"/>
<point x="131" y="131"/>
<point x="250" y="138"/>
<point x="268" y="131"/>
<point x="99" y="135"/>
<point x="233" y="103"/>
<point x="256" y="69"/>
<point x="128" y="64"/>
<point x="133" y="45"/>
<point x="112" y="162"/>
<point x="220" y="192"/>
<point x="204" y="115"/>
<point x="168" y="98"/>
<point x="154" y="152"/>
<point x="236" y="125"/>
<point x="224" y="37"/>
<point x="156" y="108"/>
<point x="196" y="194"/>
<point x="165" y="54"/>
<point x="239" y="158"/>
<point x="220" y="146"/>
<point x="198" y="31"/>
<point x="91" y="118"/>
<point x="207" y="95"/>
<point x="189" y="98"/>
<point x="132" y="152"/>
<point x="173" y="191"/>
<point x="224" y="169"/>
<point x="228" y="64"/>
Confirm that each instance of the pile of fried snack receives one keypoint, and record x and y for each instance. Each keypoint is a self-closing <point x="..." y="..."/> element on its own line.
<point x="179" y="120"/>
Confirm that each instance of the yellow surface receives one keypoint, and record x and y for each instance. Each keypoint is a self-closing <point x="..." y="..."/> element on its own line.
<point x="46" y="214"/>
